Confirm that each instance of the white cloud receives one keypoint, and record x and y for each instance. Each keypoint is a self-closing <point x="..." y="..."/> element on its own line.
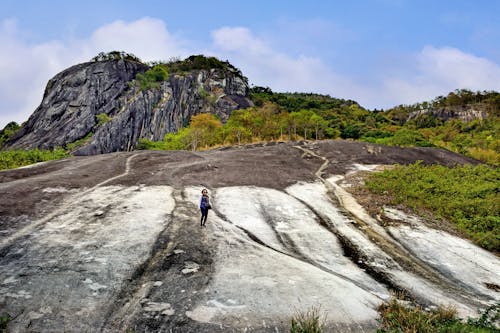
<point x="438" y="71"/>
<point x="269" y="67"/>
<point x="425" y="75"/>
<point x="25" y="67"/>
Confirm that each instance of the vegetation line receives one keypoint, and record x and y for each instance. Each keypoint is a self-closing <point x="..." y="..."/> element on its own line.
<point x="468" y="196"/>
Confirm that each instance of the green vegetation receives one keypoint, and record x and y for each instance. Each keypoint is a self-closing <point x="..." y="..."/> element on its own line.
<point x="312" y="116"/>
<point x="403" y="137"/>
<point x="115" y="55"/>
<point x="397" y="318"/>
<point x="307" y="322"/>
<point x="152" y="77"/>
<point x="479" y="139"/>
<point x="294" y="116"/>
<point x="486" y="100"/>
<point x="199" y="62"/>
<point x="465" y="195"/>
<point x="8" y="131"/>
<point x="205" y="130"/>
<point x="102" y="119"/>
<point x="72" y="146"/>
<point x="4" y="322"/>
<point x="10" y="159"/>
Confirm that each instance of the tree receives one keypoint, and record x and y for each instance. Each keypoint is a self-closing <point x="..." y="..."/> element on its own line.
<point x="8" y="131"/>
<point x="203" y="130"/>
<point x="319" y="124"/>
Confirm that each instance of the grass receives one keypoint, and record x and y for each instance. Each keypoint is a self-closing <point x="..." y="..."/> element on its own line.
<point x="11" y="159"/>
<point x="102" y="119"/>
<point x="307" y="322"/>
<point x="4" y="322"/>
<point x="468" y="196"/>
<point x="72" y="146"/>
<point x="399" y="318"/>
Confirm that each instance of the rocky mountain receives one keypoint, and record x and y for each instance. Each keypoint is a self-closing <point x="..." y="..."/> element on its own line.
<point x="113" y="243"/>
<point x="100" y="107"/>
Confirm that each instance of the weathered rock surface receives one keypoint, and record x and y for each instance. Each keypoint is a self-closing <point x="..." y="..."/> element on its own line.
<point x="75" y="97"/>
<point x="112" y="242"/>
<point x="463" y="113"/>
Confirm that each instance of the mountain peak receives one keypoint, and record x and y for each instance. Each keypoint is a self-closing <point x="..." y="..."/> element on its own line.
<point x="111" y="102"/>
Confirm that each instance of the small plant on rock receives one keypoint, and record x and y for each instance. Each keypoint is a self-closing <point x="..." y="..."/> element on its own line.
<point x="309" y="321"/>
<point x="4" y="322"/>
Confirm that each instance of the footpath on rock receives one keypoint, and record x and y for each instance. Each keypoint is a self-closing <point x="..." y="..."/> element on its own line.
<point x="111" y="243"/>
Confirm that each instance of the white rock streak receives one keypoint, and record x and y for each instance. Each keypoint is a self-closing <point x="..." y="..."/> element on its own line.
<point x="82" y="256"/>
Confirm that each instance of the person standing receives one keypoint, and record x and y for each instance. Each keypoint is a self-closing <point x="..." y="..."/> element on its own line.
<point x="204" y="206"/>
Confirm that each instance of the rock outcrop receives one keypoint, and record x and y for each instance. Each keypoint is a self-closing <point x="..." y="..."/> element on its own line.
<point x="113" y="243"/>
<point x="464" y="113"/>
<point x="75" y="98"/>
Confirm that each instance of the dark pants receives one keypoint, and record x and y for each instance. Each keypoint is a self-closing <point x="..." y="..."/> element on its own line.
<point x="204" y="214"/>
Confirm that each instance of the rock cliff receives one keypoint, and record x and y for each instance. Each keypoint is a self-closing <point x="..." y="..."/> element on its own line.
<point x="98" y="105"/>
<point x="464" y="113"/>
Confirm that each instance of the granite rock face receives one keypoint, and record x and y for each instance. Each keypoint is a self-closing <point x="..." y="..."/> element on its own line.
<point x="74" y="98"/>
<point x="464" y="113"/>
<point x="113" y="242"/>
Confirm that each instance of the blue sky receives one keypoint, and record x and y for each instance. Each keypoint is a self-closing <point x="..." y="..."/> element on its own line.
<point x="380" y="53"/>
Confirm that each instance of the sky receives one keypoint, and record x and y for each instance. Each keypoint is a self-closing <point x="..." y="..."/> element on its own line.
<point x="380" y="53"/>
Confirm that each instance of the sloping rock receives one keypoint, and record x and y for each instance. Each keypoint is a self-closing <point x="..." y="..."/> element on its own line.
<point x="75" y="97"/>
<point x="113" y="242"/>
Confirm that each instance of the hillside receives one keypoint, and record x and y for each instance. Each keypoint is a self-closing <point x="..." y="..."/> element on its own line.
<point x="118" y="103"/>
<point x="112" y="242"/>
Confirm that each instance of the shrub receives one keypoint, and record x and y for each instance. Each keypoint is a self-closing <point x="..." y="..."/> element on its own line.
<point x="102" y="119"/>
<point x="8" y="131"/>
<point x="4" y="322"/>
<point x="115" y="55"/>
<point x="10" y="159"/>
<point x="351" y="132"/>
<point x="72" y="146"/>
<point x="307" y="322"/>
<point x="404" y="138"/>
<point x="152" y="77"/>
<point x="199" y="62"/>
<point x="396" y="317"/>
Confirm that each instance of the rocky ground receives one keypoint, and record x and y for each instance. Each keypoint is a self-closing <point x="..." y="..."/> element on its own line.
<point x="113" y="242"/>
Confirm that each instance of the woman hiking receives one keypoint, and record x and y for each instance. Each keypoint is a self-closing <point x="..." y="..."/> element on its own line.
<point x="204" y="206"/>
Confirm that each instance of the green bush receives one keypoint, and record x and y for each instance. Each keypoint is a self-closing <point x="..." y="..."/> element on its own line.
<point x="152" y="77"/>
<point x="403" y="137"/>
<point x="398" y="318"/>
<point x="4" y="322"/>
<point x="102" y="119"/>
<point x="8" y="131"/>
<point x="72" y="146"/>
<point x="466" y="195"/>
<point x="200" y="62"/>
<point x="10" y="159"/>
<point x="115" y="55"/>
